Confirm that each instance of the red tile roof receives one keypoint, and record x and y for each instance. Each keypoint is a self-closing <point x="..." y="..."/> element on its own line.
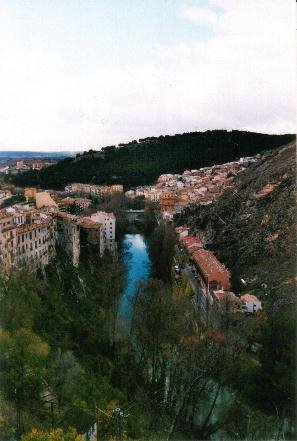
<point x="211" y="268"/>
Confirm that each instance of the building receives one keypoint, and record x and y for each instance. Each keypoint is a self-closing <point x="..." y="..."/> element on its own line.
<point x="82" y="203"/>
<point x="68" y="235"/>
<point x="91" y="237"/>
<point x="30" y="193"/>
<point x="94" y="190"/>
<point x="44" y="199"/>
<point x="4" y="194"/>
<point x="168" y="200"/>
<point x="39" y="165"/>
<point x="250" y="303"/>
<point x="182" y="232"/>
<point x="192" y="243"/>
<point x="213" y="273"/>
<point x="27" y="239"/>
<point x="78" y="188"/>
<point x="108" y="221"/>
<point x="35" y="243"/>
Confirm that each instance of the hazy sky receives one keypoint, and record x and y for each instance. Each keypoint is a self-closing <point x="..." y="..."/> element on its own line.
<point x="89" y="73"/>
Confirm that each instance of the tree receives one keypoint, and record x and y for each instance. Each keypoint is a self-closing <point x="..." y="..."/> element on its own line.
<point x="23" y="368"/>
<point x="162" y="247"/>
<point x="149" y="221"/>
<point x="53" y="435"/>
<point x="75" y="208"/>
<point x="19" y="300"/>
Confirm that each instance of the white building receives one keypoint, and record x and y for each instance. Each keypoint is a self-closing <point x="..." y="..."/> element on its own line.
<point x="108" y="221"/>
<point x="250" y="303"/>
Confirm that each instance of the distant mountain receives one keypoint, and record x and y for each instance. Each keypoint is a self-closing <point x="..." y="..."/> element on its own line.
<point x="22" y="154"/>
<point x="141" y="162"/>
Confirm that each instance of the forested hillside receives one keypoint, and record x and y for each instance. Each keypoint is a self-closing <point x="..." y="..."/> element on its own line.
<point x="141" y="162"/>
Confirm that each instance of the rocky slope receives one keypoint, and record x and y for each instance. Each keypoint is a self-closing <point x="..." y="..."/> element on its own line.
<point x="252" y="227"/>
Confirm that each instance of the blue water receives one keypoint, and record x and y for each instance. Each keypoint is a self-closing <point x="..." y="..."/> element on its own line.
<point x="138" y="264"/>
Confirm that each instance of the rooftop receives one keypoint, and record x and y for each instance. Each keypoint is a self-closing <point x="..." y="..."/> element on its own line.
<point x="249" y="298"/>
<point x="209" y="264"/>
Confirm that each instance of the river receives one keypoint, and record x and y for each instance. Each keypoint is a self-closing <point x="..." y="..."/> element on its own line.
<point x="138" y="263"/>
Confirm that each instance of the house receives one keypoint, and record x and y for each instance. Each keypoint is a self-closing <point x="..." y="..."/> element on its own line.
<point x="250" y="303"/>
<point x="182" y="231"/>
<point x="213" y="273"/>
<point x="192" y="243"/>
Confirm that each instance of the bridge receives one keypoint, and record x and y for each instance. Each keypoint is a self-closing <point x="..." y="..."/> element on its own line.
<point x="134" y="215"/>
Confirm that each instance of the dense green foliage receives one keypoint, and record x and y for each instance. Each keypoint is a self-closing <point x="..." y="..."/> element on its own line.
<point x="138" y="163"/>
<point x="57" y="343"/>
<point x="162" y="249"/>
<point x="15" y="199"/>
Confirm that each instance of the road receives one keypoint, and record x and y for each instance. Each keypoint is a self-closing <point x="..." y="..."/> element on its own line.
<point x="200" y="298"/>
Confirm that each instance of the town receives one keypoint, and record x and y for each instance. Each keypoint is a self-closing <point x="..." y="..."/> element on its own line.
<point x="13" y="166"/>
<point x="31" y="231"/>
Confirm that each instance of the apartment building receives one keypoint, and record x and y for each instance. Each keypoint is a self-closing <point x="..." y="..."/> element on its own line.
<point x="108" y="222"/>
<point x="27" y="238"/>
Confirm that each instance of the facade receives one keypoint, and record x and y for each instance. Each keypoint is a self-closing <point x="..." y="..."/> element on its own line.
<point x="35" y="243"/>
<point x="213" y="273"/>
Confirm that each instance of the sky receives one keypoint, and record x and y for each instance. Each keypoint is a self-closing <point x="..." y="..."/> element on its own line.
<point x="78" y="74"/>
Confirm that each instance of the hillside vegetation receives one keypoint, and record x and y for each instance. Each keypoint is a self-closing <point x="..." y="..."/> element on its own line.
<point x="141" y="162"/>
<point x="251" y="227"/>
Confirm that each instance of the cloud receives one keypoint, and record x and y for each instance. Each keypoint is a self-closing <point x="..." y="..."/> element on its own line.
<point x="241" y="77"/>
<point x="199" y="15"/>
